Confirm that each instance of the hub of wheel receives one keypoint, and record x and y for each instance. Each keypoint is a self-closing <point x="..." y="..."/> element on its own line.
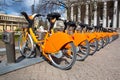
<point x="58" y="54"/>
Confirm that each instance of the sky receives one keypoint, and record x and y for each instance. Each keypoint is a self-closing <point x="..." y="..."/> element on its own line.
<point x="12" y="7"/>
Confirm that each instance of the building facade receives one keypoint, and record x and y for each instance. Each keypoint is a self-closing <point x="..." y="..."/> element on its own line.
<point x="97" y="12"/>
<point x="11" y="22"/>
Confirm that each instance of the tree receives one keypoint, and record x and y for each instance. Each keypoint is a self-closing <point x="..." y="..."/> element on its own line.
<point x="47" y="6"/>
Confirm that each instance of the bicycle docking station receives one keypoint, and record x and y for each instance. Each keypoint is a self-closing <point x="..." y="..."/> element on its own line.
<point x="8" y="39"/>
<point x="12" y="63"/>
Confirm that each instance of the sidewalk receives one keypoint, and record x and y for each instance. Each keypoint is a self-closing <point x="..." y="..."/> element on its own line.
<point x="103" y="65"/>
<point x="3" y="50"/>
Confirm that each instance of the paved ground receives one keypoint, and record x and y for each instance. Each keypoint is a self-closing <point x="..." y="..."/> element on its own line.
<point x="104" y="65"/>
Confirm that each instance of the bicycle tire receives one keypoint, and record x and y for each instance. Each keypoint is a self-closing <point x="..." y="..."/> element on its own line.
<point x="110" y="39"/>
<point x="26" y="47"/>
<point x="100" y="44"/>
<point x="56" y="61"/>
<point x="105" y="41"/>
<point x="93" y="46"/>
<point x="83" y="51"/>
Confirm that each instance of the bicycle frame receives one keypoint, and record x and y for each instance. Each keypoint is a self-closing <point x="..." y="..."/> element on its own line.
<point x="25" y="32"/>
<point x="78" y="37"/>
<point x="57" y="48"/>
<point x="49" y="45"/>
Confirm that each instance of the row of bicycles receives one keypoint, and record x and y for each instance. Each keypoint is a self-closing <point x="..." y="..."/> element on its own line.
<point x="64" y="42"/>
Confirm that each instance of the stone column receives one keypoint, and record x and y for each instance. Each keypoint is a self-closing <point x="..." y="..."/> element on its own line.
<point x="115" y="14"/>
<point x="72" y="13"/>
<point x="95" y="14"/>
<point x="87" y="14"/>
<point x="79" y="13"/>
<point x="105" y="15"/>
<point x="119" y="18"/>
<point x="108" y="22"/>
<point x="5" y="26"/>
<point x="68" y="13"/>
<point x="11" y="27"/>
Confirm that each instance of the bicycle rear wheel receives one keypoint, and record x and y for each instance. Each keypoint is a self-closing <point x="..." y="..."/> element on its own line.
<point x="100" y="43"/>
<point x="83" y="50"/>
<point x="105" y="40"/>
<point x="93" y="46"/>
<point x="26" y="46"/>
<point x="65" y="58"/>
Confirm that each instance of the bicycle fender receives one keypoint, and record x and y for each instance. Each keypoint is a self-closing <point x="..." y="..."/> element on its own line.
<point x="56" y="41"/>
<point x="78" y="38"/>
<point x="103" y="35"/>
<point x="110" y="34"/>
<point x="90" y="36"/>
<point x="98" y="36"/>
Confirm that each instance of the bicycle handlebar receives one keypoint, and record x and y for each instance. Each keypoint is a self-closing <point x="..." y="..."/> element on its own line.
<point x="30" y="19"/>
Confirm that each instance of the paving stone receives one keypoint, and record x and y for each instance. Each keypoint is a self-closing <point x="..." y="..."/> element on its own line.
<point x="103" y="65"/>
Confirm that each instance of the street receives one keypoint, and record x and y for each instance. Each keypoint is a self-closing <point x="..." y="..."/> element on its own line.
<point x="103" y="65"/>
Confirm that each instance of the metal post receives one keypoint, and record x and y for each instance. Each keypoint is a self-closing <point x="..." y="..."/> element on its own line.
<point x="8" y="38"/>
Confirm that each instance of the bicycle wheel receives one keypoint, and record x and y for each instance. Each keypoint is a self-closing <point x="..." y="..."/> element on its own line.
<point x="26" y="46"/>
<point x="110" y="39"/>
<point x="82" y="50"/>
<point x="65" y="58"/>
<point x="105" y="40"/>
<point x="93" y="46"/>
<point x="100" y="43"/>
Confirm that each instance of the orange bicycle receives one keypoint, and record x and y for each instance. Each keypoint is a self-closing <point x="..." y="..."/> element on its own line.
<point x="91" y="37"/>
<point x="99" y="36"/>
<point x="80" y="41"/>
<point x="57" y="48"/>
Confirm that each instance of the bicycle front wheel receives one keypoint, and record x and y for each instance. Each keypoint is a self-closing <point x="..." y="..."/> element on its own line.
<point x="65" y="58"/>
<point x="83" y="50"/>
<point x="26" y="46"/>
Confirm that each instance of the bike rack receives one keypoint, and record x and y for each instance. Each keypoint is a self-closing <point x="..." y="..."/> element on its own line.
<point x="8" y="39"/>
<point x="12" y="63"/>
<point x="5" y="68"/>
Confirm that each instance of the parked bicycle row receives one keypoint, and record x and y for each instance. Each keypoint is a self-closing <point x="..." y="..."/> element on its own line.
<point x="64" y="42"/>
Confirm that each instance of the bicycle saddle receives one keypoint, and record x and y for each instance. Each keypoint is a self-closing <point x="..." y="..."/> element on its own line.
<point x="98" y="27"/>
<point x="82" y="25"/>
<point x="89" y="28"/>
<point x="110" y="30"/>
<point x="53" y="15"/>
<point x="71" y="24"/>
<point x="104" y="30"/>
